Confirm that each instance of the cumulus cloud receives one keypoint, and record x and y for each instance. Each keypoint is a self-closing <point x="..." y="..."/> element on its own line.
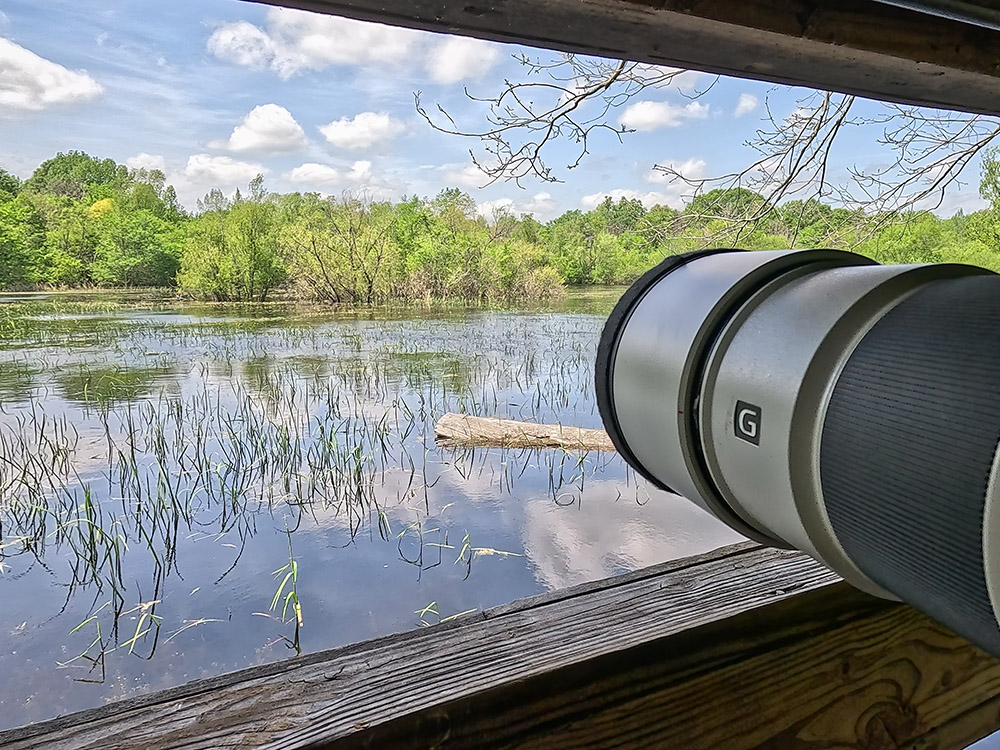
<point x="677" y="180"/>
<point x="291" y="41"/>
<point x="460" y="58"/>
<point x="30" y="83"/>
<point x="244" y="44"/>
<point x="362" y="131"/>
<point x="359" y="177"/>
<point x="746" y="105"/>
<point x="146" y="161"/>
<point x="670" y="172"/>
<point x="294" y="40"/>
<point x="221" y="171"/>
<point x="467" y="176"/>
<point x="674" y="186"/>
<point x="541" y="205"/>
<point x="269" y="129"/>
<point x="648" y="115"/>
<point x="315" y="175"/>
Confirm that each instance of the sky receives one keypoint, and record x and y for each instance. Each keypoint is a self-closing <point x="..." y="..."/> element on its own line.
<point x="214" y="92"/>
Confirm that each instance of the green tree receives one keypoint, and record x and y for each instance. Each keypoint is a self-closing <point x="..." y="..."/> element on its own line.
<point x="70" y="175"/>
<point x="134" y="248"/>
<point x="234" y="252"/>
<point x="20" y="237"/>
<point x="10" y="186"/>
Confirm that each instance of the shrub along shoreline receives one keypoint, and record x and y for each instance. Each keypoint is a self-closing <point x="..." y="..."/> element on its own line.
<point x="79" y="221"/>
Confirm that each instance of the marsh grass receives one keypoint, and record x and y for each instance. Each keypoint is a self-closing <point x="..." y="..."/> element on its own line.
<point x="128" y="436"/>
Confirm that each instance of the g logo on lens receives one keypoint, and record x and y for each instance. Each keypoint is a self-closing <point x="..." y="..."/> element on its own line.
<point x="746" y="422"/>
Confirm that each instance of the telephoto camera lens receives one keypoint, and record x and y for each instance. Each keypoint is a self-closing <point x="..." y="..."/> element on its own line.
<point x="817" y="400"/>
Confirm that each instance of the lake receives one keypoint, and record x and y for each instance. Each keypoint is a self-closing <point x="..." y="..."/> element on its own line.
<point x="189" y="489"/>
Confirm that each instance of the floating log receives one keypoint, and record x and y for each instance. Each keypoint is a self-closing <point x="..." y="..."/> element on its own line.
<point x="461" y="430"/>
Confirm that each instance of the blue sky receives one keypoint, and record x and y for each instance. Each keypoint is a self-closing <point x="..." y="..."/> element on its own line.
<point x="213" y="91"/>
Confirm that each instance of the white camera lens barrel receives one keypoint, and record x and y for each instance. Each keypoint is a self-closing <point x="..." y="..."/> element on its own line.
<point x="819" y="401"/>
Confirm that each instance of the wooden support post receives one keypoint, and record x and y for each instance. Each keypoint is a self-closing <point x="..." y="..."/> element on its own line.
<point x="743" y="648"/>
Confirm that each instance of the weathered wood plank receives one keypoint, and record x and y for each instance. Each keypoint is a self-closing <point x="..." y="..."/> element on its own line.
<point x="331" y="695"/>
<point x="462" y="430"/>
<point x="854" y="46"/>
<point x="831" y="668"/>
<point x="746" y="647"/>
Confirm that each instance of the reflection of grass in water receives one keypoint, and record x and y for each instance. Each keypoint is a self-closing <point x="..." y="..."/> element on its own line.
<point x="110" y="385"/>
<point x="337" y="429"/>
<point x="16" y="380"/>
<point x="311" y="366"/>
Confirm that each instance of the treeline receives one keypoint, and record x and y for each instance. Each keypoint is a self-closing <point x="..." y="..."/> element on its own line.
<point x="81" y="221"/>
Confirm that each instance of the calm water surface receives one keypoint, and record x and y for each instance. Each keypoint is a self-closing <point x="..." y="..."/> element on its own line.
<point x="190" y="489"/>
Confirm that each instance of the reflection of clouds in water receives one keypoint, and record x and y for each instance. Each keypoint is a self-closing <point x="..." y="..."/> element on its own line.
<point x="325" y="427"/>
<point x="602" y="536"/>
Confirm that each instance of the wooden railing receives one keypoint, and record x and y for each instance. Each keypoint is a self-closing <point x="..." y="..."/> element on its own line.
<point x="744" y="647"/>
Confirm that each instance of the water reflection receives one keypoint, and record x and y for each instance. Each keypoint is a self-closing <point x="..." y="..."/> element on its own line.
<point x="112" y="384"/>
<point x="16" y="382"/>
<point x="160" y="482"/>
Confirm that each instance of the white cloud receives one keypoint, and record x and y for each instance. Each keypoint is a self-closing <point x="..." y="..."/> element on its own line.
<point x="30" y="83"/>
<point x="670" y="172"/>
<point x="268" y="129"/>
<point x="467" y="176"/>
<point x="312" y="174"/>
<point x="500" y="206"/>
<point x="146" y="161"/>
<point x="460" y="58"/>
<point x="295" y="40"/>
<point x="676" y="180"/>
<point x="648" y="115"/>
<point x="361" y="172"/>
<point x="953" y="201"/>
<point x="362" y="131"/>
<point x="221" y="171"/>
<point x="359" y="177"/>
<point x="746" y="105"/>
<point x="541" y="205"/>
<point x="244" y="44"/>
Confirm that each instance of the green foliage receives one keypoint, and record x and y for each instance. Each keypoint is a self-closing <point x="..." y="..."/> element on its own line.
<point x="234" y="252"/>
<point x="10" y="186"/>
<point x="80" y="220"/>
<point x="72" y="174"/>
<point x="134" y="248"/>
<point x="19" y="240"/>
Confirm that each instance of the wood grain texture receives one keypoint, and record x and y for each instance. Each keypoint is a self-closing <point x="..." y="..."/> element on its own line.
<point x="458" y="430"/>
<point x="745" y="647"/>
<point x="336" y="692"/>
<point x="831" y="668"/>
<point x="855" y="46"/>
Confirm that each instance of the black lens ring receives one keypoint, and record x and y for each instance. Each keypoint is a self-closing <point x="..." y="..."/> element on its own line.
<point x="608" y="346"/>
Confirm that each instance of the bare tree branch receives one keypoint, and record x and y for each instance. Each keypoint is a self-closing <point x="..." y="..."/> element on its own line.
<point x="572" y="98"/>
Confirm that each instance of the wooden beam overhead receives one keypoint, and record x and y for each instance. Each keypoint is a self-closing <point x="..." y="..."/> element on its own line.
<point x="860" y="47"/>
